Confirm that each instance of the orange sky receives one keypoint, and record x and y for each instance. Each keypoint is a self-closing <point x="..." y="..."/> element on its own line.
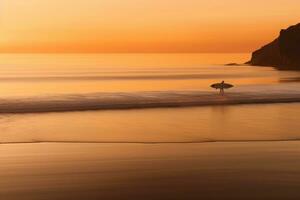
<point x="142" y="25"/>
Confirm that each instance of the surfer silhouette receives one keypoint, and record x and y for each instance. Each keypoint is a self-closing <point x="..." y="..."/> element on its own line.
<point x="221" y="86"/>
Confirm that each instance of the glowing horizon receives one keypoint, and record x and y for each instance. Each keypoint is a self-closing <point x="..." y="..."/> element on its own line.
<point x="114" y="26"/>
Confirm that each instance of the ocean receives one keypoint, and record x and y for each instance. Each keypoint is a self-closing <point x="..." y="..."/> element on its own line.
<point x="144" y="98"/>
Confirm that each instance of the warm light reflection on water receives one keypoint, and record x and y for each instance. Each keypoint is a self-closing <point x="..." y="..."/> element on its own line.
<point x="198" y="124"/>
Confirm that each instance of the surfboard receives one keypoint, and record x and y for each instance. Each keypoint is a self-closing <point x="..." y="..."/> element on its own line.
<point x="221" y="85"/>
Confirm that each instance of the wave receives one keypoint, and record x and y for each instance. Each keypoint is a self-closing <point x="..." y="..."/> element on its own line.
<point x="139" y="100"/>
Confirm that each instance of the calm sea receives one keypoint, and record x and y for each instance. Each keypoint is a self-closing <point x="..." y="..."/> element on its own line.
<point x="42" y="82"/>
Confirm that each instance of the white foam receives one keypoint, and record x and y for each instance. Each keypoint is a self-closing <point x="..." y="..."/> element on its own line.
<point x="155" y="99"/>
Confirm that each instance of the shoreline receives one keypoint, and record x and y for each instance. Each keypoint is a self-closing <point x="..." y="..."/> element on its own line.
<point x="152" y="143"/>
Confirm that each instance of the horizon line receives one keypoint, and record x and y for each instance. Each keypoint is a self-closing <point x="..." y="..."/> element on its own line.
<point x="125" y="52"/>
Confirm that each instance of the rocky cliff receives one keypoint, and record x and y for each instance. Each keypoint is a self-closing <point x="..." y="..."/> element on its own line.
<point x="282" y="53"/>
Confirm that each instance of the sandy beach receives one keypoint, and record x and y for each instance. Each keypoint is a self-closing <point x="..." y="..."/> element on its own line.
<point x="240" y="170"/>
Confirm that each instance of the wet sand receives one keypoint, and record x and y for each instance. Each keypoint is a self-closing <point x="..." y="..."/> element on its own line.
<point x="239" y="170"/>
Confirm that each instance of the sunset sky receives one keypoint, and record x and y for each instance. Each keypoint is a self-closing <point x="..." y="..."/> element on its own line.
<point x="86" y="26"/>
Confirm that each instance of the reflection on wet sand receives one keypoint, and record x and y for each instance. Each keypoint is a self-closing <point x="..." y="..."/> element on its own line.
<point x="264" y="170"/>
<point x="269" y="122"/>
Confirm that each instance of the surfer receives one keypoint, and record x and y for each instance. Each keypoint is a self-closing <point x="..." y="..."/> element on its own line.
<point x="221" y="86"/>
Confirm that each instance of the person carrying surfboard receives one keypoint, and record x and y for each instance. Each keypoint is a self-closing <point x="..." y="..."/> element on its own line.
<point x="221" y="86"/>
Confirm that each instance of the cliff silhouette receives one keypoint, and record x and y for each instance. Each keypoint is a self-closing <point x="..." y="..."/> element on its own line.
<point x="283" y="53"/>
